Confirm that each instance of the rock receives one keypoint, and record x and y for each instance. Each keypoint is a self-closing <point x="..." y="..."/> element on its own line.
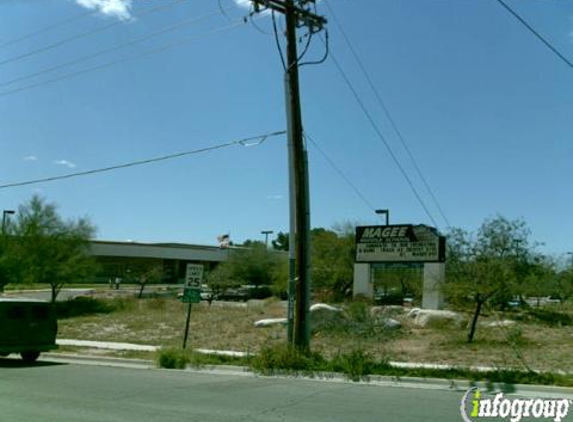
<point x="377" y="311"/>
<point x="430" y="318"/>
<point x="390" y="323"/>
<point x="323" y="307"/>
<point x="270" y="321"/>
<point x="413" y="313"/>
<point x="504" y="323"/>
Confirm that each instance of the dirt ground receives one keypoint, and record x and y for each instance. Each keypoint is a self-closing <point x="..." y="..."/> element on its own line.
<point x="230" y="326"/>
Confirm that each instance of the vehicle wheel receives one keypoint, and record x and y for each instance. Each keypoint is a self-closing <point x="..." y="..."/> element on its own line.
<point x="30" y="356"/>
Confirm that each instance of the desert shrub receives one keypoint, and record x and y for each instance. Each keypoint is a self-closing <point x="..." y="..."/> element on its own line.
<point x="356" y="365"/>
<point x="355" y="320"/>
<point x="545" y="316"/>
<point x="281" y="359"/>
<point x="80" y="306"/>
<point x="171" y="358"/>
<point x="122" y="303"/>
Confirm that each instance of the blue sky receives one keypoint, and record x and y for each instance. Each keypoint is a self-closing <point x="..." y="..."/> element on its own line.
<point x="484" y="107"/>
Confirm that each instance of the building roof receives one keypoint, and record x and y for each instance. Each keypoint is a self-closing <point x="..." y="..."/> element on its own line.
<point x="182" y="251"/>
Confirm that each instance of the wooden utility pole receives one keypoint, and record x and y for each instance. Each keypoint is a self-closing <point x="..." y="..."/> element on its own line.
<point x="296" y="15"/>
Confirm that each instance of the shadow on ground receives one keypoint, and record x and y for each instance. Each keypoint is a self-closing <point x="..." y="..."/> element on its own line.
<point x="14" y="362"/>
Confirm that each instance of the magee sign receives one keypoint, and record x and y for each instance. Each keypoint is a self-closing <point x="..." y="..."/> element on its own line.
<point x="399" y="243"/>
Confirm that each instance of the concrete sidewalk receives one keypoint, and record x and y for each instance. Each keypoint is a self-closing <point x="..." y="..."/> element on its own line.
<point x="131" y="347"/>
<point x="108" y="345"/>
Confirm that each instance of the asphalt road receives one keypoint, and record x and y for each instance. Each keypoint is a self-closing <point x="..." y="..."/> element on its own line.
<point x="47" y="392"/>
<point x="50" y="392"/>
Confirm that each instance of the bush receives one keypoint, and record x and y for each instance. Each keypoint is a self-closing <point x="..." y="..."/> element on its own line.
<point x="355" y="320"/>
<point x="356" y="365"/>
<point x="83" y="306"/>
<point x="284" y="359"/>
<point x="548" y="317"/>
<point x="172" y="358"/>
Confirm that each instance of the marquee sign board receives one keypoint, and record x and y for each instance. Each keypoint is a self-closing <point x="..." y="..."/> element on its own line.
<point x="399" y="243"/>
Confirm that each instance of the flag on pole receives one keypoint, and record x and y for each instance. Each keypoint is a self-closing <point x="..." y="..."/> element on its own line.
<point x="224" y="240"/>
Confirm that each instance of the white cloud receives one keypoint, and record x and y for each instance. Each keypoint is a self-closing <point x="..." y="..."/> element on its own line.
<point x="274" y="197"/>
<point x="65" y="163"/>
<point x="120" y="9"/>
<point x="30" y="158"/>
<point x="244" y="3"/>
<point x="248" y="5"/>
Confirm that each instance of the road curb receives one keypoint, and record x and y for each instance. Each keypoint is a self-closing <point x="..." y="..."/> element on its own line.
<point x="371" y="380"/>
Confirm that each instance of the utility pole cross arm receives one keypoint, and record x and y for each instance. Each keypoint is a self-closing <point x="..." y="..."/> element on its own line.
<point x="304" y="17"/>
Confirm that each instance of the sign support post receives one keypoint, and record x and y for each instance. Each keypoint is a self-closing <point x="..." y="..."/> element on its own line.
<point x="191" y="293"/>
<point x="187" y="326"/>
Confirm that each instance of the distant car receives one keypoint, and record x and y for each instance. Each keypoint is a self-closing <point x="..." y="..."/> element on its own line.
<point x="207" y="294"/>
<point x="553" y="299"/>
<point x="27" y="327"/>
<point x="233" y="295"/>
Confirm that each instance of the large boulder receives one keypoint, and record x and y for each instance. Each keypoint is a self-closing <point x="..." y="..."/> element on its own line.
<point x="270" y="322"/>
<point x="323" y="307"/>
<point x="431" y="318"/>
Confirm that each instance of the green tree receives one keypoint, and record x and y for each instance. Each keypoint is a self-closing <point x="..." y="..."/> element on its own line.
<point x="281" y="243"/>
<point x="332" y="263"/>
<point x="10" y="265"/>
<point x="483" y="268"/>
<point x="144" y="273"/>
<point x="255" y="265"/>
<point x="52" y="250"/>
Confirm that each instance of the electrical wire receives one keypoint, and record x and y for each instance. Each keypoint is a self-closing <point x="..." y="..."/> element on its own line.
<point x="537" y="34"/>
<point x="250" y="17"/>
<point x="383" y="139"/>
<point x="120" y="61"/>
<point x="277" y="40"/>
<point x="397" y="131"/>
<point x="305" y="49"/>
<point x="166" y="30"/>
<point x="246" y="142"/>
<point x="306" y="46"/>
<point x="222" y="10"/>
<point x="48" y="28"/>
<point x="85" y="34"/>
<point x="326" y="52"/>
<point x="340" y="172"/>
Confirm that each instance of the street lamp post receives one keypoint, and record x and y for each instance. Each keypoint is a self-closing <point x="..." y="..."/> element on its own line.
<point x="387" y="212"/>
<point x="5" y="214"/>
<point x="266" y="233"/>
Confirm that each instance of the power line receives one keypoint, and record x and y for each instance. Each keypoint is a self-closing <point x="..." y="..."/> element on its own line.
<point x="117" y="47"/>
<point x="122" y="60"/>
<point x="340" y="172"/>
<point x="382" y="138"/>
<point x="387" y="113"/>
<point x="84" y="34"/>
<point x="309" y="35"/>
<point x="277" y="41"/>
<point x="246" y="142"/>
<point x="48" y="28"/>
<point x="537" y="34"/>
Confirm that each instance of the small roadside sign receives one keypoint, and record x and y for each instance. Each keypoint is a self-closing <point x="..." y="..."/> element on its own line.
<point x="191" y="295"/>
<point x="194" y="275"/>
<point x="191" y="292"/>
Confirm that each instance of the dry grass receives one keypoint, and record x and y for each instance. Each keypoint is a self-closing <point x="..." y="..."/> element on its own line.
<point x="230" y="326"/>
